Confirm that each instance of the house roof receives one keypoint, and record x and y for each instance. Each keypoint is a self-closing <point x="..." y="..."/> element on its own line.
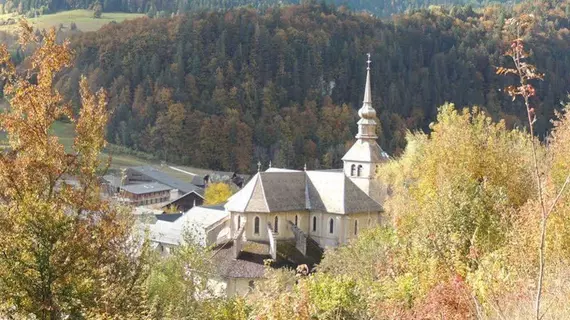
<point x="112" y="180"/>
<point x="202" y="216"/>
<point x="171" y="228"/>
<point x="144" y="188"/>
<point x="290" y="190"/>
<point x="200" y="193"/>
<point x="162" y="177"/>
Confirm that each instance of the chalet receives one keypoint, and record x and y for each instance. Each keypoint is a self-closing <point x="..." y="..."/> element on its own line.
<point x="144" y="194"/>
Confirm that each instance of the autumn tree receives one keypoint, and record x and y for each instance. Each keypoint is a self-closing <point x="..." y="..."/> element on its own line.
<point x="64" y="251"/>
<point x="216" y="193"/>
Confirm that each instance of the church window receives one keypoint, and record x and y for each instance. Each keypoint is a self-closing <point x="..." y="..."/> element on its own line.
<point x="359" y="173"/>
<point x="276" y="224"/>
<point x="296" y="219"/>
<point x="331" y="226"/>
<point x="314" y="223"/>
<point x="355" y="227"/>
<point x="256" y="225"/>
<point x="353" y="170"/>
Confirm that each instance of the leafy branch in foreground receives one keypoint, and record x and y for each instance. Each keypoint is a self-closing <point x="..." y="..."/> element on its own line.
<point x="525" y="73"/>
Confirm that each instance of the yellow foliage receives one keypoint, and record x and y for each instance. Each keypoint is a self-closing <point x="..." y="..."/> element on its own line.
<point x="217" y="193"/>
<point x="65" y="252"/>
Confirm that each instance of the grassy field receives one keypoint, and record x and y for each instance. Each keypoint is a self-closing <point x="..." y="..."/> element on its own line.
<point x="82" y="18"/>
<point x="66" y="133"/>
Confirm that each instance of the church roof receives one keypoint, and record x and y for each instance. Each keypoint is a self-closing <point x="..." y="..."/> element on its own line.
<point x="335" y="193"/>
<point x="366" y="151"/>
<point x="282" y="191"/>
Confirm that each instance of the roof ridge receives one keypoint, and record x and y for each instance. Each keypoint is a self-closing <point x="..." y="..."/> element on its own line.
<point x="264" y="195"/>
<point x="307" y="196"/>
<point x="252" y="191"/>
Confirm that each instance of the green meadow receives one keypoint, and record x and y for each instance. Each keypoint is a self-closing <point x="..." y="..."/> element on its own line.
<point x="82" y="18"/>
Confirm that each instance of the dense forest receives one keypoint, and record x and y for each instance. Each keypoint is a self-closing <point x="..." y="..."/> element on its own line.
<point x="225" y="90"/>
<point x="154" y="8"/>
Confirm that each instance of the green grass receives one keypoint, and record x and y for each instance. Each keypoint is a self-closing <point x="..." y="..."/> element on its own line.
<point x="82" y="18"/>
<point x="66" y="134"/>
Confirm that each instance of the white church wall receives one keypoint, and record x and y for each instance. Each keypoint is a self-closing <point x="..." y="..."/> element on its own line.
<point x="365" y="221"/>
<point x="322" y="233"/>
<point x="284" y="230"/>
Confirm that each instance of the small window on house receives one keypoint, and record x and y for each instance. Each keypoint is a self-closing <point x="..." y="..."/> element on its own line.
<point x="314" y="223"/>
<point x="296" y="219"/>
<point x="276" y="224"/>
<point x="331" y="226"/>
<point x="353" y="170"/>
<point x="251" y="285"/>
<point x="359" y="173"/>
<point x="239" y="221"/>
<point x="355" y="227"/>
<point x="256" y="225"/>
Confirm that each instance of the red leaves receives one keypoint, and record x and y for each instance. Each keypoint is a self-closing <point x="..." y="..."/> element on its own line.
<point x="523" y="70"/>
<point x="526" y="91"/>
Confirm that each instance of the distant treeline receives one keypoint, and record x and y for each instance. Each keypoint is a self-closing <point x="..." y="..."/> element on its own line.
<point x="162" y="8"/>
<point x="225" y="90"/>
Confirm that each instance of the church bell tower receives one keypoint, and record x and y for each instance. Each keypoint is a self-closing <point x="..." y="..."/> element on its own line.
<point x="363" y="159"/>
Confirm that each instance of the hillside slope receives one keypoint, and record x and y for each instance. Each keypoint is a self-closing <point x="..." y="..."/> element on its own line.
<point x="225" y="90"/>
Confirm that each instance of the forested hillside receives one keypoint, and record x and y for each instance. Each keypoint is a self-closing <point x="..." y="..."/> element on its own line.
<point x="153" y="8"/>
<point x="225" y="90"/>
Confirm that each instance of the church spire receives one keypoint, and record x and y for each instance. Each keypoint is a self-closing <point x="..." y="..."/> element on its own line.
<point x="367" y="122"/>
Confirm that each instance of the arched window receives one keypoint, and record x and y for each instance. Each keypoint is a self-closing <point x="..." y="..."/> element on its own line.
<point x="256" y="225"/>
<point x="276" y="224"/>
<point x="355" y="227"/>
<point x="314" y="223"/>
<point x="296" y="219"/>
<point x="353" y="170"/>
<point x="331" y="226"/>
<point x="359" y="173"/>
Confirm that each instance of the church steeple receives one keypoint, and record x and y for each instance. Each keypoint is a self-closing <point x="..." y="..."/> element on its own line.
<point x="362" y="161"/>
<point x="367" y="122"/>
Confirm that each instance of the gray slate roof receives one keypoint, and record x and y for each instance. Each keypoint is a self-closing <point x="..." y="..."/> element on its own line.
<point x="144" y="188"/>
<point x="289" y="190"/>
<point x="162" y="177"/>
<point x="249" y="263"/>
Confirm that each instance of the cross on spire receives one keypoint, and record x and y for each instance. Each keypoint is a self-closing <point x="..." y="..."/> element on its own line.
<point x="368" y="62"/>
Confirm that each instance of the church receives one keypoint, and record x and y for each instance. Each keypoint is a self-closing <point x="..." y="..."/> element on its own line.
<point x="289" y="216"/>
<point x="328" y="206"/>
